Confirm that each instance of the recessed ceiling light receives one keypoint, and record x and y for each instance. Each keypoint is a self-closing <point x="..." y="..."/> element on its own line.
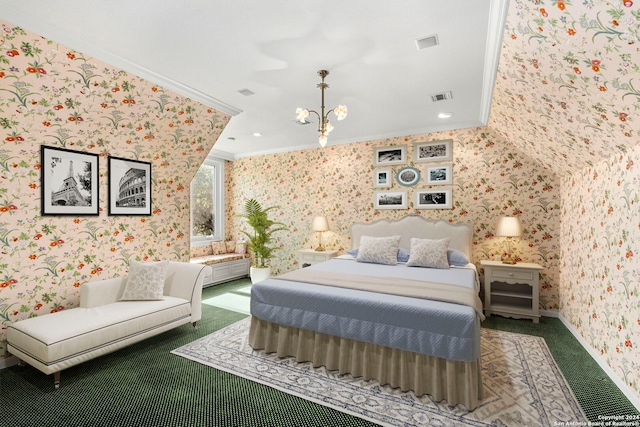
<point x="246" y="92"/>
<point x="445" y="115"/>
<point x="256" y="134"/>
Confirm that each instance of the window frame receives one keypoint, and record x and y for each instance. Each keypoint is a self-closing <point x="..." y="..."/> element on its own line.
<point x="218" y="203"/>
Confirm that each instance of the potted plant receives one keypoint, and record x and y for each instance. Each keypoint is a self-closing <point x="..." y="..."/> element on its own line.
<point x="259" y="241"/>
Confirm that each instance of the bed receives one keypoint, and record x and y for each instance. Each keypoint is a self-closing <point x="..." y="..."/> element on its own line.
<point x="411" y="327"/>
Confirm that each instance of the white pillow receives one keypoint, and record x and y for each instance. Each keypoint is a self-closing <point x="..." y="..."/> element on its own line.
<point x="429" y="253"/>
<point x="379" y="250"/>
<point x="145" y="281"/>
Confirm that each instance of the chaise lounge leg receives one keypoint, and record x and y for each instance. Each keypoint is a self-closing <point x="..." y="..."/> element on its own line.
<point x="56" y="380"/>
<point x="195" y="324"/>
<point x="21" y="363"/>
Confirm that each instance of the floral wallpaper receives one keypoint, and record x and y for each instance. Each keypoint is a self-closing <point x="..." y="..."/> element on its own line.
<point x="567" y="93"/>
<point x="52" y="95"/>
<point x="600" y="292"/>
<point x="565" y="89"/>
<point x="490" y="179"/>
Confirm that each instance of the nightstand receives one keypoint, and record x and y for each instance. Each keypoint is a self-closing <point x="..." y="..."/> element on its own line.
<point x="511" y="290"/>
<point x="309" y="256"/>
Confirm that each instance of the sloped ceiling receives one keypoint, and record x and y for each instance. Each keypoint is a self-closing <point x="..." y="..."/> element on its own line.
<point x="567" y="91"/>
<point x="211" y="50"/>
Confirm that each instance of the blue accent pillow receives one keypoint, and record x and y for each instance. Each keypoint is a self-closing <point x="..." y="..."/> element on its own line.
<point x="457" y="258"/>
<point x="403" y="254"/>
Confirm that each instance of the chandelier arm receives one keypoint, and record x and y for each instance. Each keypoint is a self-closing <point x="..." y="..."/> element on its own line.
<point x="326" y="116"/>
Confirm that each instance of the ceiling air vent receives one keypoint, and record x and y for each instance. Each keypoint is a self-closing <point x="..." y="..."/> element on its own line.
<point x="246" y="92"/>
<point x="426" y="42"/>
<point x="441" y="96"/>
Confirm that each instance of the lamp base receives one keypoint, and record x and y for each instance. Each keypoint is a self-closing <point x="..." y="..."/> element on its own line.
<point x="509" y="260"/>
<point x="320" y="248"/>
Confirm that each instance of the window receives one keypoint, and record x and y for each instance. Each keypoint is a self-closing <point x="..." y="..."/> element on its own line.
<point x="207" y="202"/>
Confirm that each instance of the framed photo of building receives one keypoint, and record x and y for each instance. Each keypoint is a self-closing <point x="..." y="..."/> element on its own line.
<point x="433" y="151"/>
<point x="438" y="174"/>
<point x="390" y="199"/>
<point x="129" y="187"/>
<point x="382" y="178"/>
<point x="69" y="182"/>
<point x="383" y="156"/>
<point x="439" y="198"/>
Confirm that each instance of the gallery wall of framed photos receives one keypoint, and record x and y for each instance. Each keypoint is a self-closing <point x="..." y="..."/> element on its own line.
<point x="429" y="176"/>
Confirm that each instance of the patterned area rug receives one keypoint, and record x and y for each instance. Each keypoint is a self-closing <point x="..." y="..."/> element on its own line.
<point x="522" y="384"/>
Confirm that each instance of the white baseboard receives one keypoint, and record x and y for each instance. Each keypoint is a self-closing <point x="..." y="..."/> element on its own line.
<point x="624" y="388"/>
<point x="6" y="362"/>
<point x="550" y="313"/>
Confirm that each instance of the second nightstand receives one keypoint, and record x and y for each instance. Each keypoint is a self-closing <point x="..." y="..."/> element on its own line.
<point x="511" y="290"/>
<point x="309" y="256"/>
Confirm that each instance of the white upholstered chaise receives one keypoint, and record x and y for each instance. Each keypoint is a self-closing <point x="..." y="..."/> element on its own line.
<point x="103" y="323"/>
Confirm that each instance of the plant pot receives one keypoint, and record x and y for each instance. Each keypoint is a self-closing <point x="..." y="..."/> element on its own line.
<point x="259" y="274"/>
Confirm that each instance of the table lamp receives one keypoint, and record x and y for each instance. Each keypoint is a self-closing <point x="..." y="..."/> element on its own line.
<point x="509" y="227"/>
<point x="320" y="224"/>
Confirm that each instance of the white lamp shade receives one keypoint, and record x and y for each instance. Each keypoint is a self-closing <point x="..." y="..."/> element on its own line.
<point x="509" y="226"/>
<point x="319" y="223"/>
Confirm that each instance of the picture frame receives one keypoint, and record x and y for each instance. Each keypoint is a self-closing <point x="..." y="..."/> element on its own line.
<point x="408" y="176"/>
<point x="129" y="186"/>
<point x="390" y="199"/>
<point x="396" y="155"/>
<point x="69" y="182"/>
<point x="438" y="174"/>
<point x="433" y="151"/>
<point x="433" y="198"/>
<point x="382" y="178"/>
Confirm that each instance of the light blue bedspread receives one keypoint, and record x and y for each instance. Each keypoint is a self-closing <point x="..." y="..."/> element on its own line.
<point x="446" y="330"/>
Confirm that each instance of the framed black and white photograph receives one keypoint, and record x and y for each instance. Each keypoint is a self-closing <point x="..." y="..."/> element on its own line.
<point x="438" y="174"/>
<point x="382" y="178"/>
<point x="433" y="151"/>
<point x="129" y="187"/>
<point x="69" y="182"/>
<point x="439" y="198"/>
<point x="408" y="176"/>
<point x="390" y="199"/>
<point x="383" y="156"/>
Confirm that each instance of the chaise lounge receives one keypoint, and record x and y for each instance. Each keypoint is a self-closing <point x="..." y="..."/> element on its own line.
<point x="112" y="314"/>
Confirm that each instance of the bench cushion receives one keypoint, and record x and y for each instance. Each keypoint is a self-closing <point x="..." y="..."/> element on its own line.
<point x="215" y="259"/>
<point x="81" y="332"/>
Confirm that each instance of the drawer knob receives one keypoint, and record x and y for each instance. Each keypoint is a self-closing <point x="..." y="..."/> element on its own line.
<point x="510" y="274"/>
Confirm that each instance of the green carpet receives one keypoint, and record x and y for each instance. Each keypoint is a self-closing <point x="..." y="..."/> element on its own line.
<point x="145" y="385"/>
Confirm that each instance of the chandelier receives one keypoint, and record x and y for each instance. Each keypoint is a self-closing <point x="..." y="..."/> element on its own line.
<point x="324" y="126"/>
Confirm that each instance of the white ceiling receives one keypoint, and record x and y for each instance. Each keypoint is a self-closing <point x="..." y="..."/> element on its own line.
<point x="209" y="50"/>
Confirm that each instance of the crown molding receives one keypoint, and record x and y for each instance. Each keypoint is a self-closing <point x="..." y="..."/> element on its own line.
<point x="497" y="20"/>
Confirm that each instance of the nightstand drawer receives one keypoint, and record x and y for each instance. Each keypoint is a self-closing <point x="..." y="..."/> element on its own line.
<point x="511" y="274"/>
<point x="313" y="258"/>
<point x="309" y="257"/>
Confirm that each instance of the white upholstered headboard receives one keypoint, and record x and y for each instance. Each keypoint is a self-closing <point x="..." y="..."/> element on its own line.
<point x="460" y="235"/>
